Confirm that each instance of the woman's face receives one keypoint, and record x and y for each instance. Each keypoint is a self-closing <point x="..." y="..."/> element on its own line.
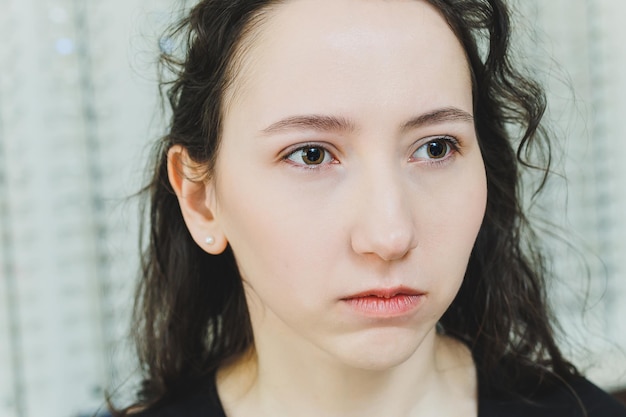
<point x="349" y="182"/>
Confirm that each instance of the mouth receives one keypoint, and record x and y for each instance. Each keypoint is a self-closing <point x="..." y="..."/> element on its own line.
<point x="386" y="302"/>
<point x="386" y="293"/>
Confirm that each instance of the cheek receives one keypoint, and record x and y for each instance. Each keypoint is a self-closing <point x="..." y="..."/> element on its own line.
<point x="269" y="228"/>
<point x="454" y="218"/>
<point x="467" y="205"/>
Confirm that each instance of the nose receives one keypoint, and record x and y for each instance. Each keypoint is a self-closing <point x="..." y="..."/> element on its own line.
<point x="384" y="223"/>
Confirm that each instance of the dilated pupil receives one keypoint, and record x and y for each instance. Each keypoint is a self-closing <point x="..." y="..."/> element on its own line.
<point x="437" y="149"/>
<point x="313" y="156"/>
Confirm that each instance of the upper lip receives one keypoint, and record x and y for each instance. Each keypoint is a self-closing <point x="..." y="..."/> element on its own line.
<point x="385" y="292"/>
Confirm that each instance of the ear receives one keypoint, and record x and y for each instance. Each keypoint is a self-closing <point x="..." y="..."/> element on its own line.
<point x="196" y="199"/>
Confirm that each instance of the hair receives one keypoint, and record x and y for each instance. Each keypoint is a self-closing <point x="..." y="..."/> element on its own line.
<point x="190" y="313"/>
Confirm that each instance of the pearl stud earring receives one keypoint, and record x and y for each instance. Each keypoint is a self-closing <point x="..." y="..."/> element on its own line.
<point x="209" y="240"/>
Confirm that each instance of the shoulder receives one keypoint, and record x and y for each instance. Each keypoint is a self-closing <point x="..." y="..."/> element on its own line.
<point x="597" y="402"/>
<point x="567" y="400"/>
<point x="200" y="401"/>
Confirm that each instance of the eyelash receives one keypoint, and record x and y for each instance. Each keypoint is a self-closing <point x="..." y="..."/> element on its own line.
<point x="293" y="151"/>
<point x="451" y="143"/>
<point x="453" y="147"/>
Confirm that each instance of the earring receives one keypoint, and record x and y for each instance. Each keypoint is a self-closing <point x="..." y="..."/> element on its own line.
<point x="209" y="240"/>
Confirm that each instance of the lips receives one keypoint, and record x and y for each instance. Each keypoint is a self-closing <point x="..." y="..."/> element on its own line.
<point x="386" y="302"/>
<point x="386" y="293"/>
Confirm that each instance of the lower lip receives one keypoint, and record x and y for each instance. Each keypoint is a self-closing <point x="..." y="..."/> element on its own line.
<point x="395" y="306"/>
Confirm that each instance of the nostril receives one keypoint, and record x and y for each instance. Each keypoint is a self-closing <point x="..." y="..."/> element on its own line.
<point x="393" y="246"/>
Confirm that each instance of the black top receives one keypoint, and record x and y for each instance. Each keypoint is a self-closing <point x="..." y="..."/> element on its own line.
<point x="204" y="401"/>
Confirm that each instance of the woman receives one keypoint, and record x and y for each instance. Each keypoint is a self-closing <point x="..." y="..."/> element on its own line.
<point x="335" y="224"/>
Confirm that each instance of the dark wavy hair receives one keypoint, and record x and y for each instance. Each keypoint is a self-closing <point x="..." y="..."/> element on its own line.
<point x="190" y="315"/>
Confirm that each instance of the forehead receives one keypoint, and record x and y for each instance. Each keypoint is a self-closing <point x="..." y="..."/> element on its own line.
<point x="307" y="52"/>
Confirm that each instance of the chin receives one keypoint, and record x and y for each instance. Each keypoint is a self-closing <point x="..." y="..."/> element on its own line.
<point x="379" y="360"/>
<point x="381" y="351"/>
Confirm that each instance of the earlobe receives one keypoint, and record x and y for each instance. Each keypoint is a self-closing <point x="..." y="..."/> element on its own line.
<point x="196" y="200"/>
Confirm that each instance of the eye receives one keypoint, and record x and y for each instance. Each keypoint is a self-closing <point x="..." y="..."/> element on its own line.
<point x="310" y="155"/>
<point x="436" y="149"/>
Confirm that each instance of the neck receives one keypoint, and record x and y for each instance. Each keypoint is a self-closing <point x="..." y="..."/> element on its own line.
<point x="287" y="382"/>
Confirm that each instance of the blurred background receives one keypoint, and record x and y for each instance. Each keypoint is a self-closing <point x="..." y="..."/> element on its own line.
<point x="79" y="109"/>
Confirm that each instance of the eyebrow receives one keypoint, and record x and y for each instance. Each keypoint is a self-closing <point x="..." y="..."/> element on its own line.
<point x="326" y="123"/>
<point x="446" y="114"/>
<point x="314" y="122"/>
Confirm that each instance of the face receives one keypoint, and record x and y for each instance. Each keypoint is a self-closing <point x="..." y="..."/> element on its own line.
<point x="349" y="181"/>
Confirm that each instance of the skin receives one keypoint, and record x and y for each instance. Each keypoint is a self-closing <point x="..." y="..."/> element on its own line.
<point x="377" y="212"/>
